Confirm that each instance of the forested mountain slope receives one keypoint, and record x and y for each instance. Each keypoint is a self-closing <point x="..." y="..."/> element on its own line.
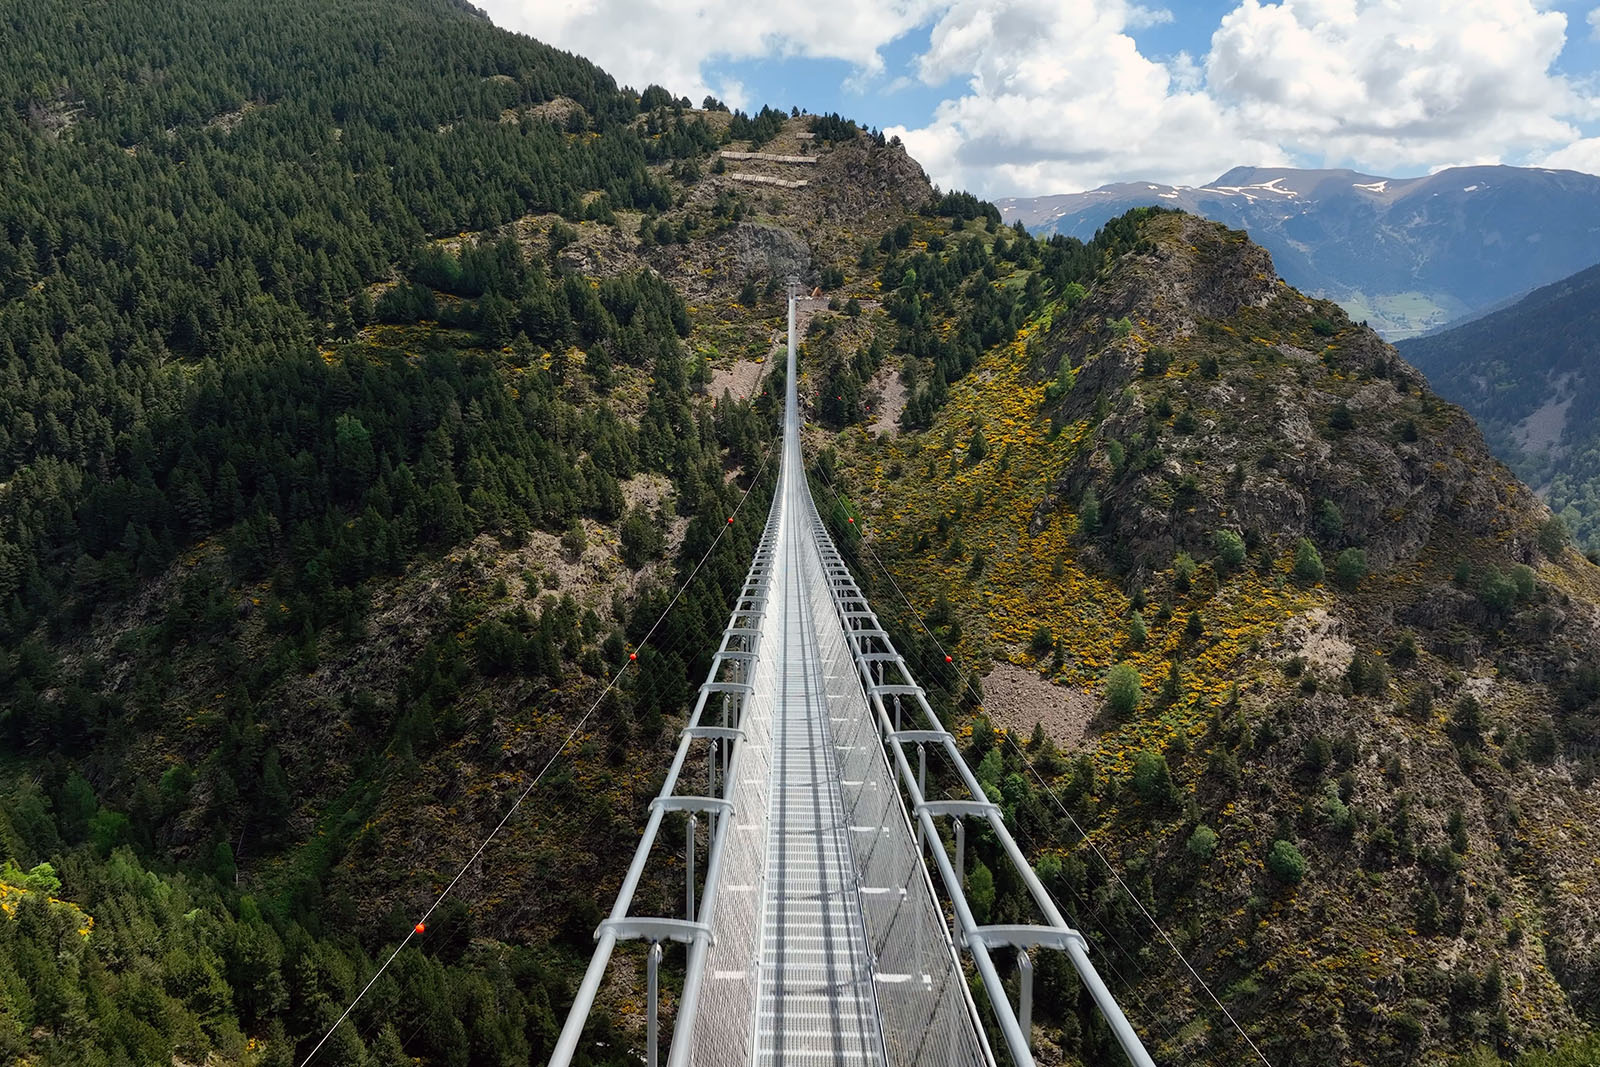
<point x="1530" y="375"/>
<point x="372" y="377"/>
<point x="340" y="460"/>
<point x="1325" y="674"/>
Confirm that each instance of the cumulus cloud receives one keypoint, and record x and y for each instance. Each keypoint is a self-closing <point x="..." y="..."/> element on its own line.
<point x="1594" y="23"/>
<point x="1058" y="96"/>
<point x="1582" y="154"/>
<point x="640" y="42"/>
<point x="1398" y="85"/>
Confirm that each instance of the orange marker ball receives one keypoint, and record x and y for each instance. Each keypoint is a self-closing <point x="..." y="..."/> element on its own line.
<point x="947" y="659"/>
<point x="633" y="655"/>
<point x="419" y="928"/>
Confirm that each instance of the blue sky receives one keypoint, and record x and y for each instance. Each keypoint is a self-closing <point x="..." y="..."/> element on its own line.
<point x="1018" y="97"/>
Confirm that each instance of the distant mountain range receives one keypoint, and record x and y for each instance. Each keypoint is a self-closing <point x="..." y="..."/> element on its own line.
<point x="1407" y="255"/>
<point x="1530" y="375"/>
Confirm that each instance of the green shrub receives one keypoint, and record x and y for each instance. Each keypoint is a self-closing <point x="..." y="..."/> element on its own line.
<point x="1554" y="536"/>
<point x="1367" y="675"/>
<point x="1183" y="568"/>
<point x="1285" y="863"/>
<point x="1341" y="419"/>
<point x="1328" y="521"/>
<point x="1089" y="513"/>
<point x="1202" y="843"/>
<point x="1138" y="633"/>
<point x="1523" y="578"/>
<point x="1123" y="690"/>
<point x="980" y="890"/>
<point x="642" y="538"/>
<point x="1152" y="780"/>
<point x="40" y="879"/>
<point x="1042" y="641"/>
<point x="1404" y="653"/>
<point x="1307" y="562"/>
<point x="1230" y="548"/>
<point x="1349" y="567"/>
<point x="1498" y="592"/>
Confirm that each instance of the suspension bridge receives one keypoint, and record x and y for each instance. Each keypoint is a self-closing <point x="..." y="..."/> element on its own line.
<point x="824" y="911"/>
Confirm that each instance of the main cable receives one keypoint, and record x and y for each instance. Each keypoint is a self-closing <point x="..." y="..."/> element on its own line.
<point x="421" y="922"/>
<point x="1195" y="974"/>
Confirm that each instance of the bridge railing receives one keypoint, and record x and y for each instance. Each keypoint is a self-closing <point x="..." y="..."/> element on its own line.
<point x="726" y="730"/>
<point x="908" y="727"/>
<point x="925" y="1011"/>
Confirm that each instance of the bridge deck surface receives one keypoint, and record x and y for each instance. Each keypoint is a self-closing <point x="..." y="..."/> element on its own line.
<point x="816" y="1003"/>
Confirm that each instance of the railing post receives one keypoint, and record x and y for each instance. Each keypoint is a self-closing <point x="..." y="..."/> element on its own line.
<point x="1025" y="996"/>
<point x="694" y="825"/>
<point x="961" y="853"/>
<point x="653" y="1023"/>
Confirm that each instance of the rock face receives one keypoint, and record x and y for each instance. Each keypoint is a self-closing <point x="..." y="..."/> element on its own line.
<point x="1373" y="680"/>
<point x="1348" y="426"/>
<point x="860" y="179"/>
<point x="769" y="250"/>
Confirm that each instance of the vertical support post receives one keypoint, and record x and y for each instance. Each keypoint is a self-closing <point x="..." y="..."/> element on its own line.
<point x="922" y="788"/>
<point x="653" y="1024"/>
<point x="897" y="713"/>
<point x="694" y="825"/>
<point x="1025" y="995"/>
<point x="961" y="853"/>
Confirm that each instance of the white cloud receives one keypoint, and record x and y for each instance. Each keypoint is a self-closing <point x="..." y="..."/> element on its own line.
<point x="669" y="43"/>
<point x="1582" y="154"/>
<point x="1058" y="97"/>
<point x="1396" y="84"/>
<point x="1594" y="23"/>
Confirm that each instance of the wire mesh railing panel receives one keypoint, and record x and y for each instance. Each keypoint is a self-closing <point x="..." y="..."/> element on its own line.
<point x="924" y="1010"/>
<point x="731" y="982"/>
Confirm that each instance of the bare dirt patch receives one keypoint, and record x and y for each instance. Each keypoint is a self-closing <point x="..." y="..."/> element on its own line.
<point x="1319" y="638"/>
<point x="1016" y="699"/>
<point x="890" y="392"/>
<point x="652" y="492"/>
<point x="1541" y="431"/>
<point x="739" y="381"/>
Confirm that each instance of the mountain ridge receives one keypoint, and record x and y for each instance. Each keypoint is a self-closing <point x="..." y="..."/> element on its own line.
<point x="1530" y="373"/>
<point x="1407" y="254"/>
